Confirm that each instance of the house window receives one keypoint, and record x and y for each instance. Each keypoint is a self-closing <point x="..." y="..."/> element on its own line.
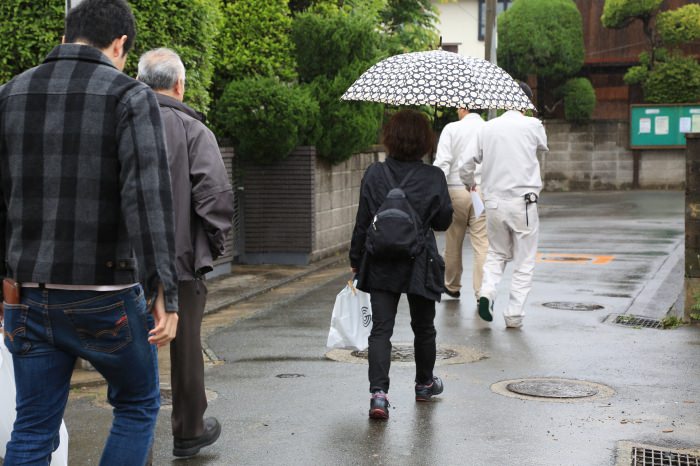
<point x="501" y="6"/>
<point x="450" y="47"/>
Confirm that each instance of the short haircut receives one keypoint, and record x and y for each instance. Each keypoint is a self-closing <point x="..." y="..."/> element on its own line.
<point x="100" y="22"/>
<point x="160" y="69"/>
<point x="526" y="89"/>
<point x="408" y="136"/>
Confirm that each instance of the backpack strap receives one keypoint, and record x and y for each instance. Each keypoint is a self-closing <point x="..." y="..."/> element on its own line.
<point x="392" y="181"/>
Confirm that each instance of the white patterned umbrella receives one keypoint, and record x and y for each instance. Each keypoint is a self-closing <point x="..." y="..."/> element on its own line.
<point x="439" y="78"/>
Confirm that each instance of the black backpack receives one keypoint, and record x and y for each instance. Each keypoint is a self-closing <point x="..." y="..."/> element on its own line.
<point x="396" y="231"/>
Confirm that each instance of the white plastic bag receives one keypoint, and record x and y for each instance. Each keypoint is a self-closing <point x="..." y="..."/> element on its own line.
<point x="351" y="322"/>
<point x="8" y="413"/>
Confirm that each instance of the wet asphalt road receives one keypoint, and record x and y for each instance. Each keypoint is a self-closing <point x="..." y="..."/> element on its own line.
<point x="282" y="402"/>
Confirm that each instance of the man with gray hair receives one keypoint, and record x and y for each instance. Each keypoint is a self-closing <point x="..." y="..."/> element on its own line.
<point x="203" y="205"/>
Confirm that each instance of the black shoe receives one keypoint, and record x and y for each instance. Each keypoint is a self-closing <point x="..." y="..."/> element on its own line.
<point x="426" y="391"/>
<point x="190" y="447"/>
<point x="452" y="294"/>
<point x="485" y="309"/>
<point x="379" y="406"/>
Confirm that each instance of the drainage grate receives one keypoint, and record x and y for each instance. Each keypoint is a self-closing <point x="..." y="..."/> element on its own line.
<point x="637" y="321"/>
<point x="406" y="353"/>
<point x="570" y="306"/>
<point x="654" y="457"/>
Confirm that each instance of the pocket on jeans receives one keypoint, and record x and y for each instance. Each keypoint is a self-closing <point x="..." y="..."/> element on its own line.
<point x="104" y="329"/>
<point x="15" y="329"/>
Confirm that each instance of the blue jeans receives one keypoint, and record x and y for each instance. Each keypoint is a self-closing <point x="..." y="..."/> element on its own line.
<point x="46" y="333"/>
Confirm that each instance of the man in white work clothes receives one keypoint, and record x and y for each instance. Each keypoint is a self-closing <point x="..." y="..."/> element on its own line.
<point x="454" y="140"/>
<point x="510" y="181"/>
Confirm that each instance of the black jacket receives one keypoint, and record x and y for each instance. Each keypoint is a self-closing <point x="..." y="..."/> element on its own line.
<point x="427" y="192"/>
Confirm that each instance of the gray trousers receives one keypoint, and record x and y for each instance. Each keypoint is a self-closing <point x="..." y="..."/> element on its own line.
<point x="187" y="363"/>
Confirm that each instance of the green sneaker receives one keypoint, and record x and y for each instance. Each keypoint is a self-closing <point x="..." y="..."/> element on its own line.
<point x="485" y="309"/>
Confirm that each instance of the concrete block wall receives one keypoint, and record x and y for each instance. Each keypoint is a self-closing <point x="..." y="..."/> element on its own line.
<point x="337" y="192"/>
<point x="596" y="156"/>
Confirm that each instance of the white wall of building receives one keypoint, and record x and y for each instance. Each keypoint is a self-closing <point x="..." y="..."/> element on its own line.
<point x="459" y="24"/>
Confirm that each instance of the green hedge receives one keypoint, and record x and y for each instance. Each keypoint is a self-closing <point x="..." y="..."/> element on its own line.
<point x="29" y="30"/>
<point x="327" y="43"/>
<point x="332" y="50"/>
<point x="618" y="13"/>
<point x="190" y="28"/>
<point x="254" y="41"/>
<point x="266" y="119"/>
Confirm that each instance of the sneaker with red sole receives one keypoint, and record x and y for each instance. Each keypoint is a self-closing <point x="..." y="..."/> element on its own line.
<point x="379" y="406"/>
<point x="424" y="392"/>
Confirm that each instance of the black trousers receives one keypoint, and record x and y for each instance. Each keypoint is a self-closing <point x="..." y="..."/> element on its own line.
<point x="384" y="307"/>
<point x="187" y="363"/>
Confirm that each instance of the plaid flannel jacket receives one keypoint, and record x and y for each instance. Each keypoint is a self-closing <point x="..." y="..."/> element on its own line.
<point x="86" y="194"/>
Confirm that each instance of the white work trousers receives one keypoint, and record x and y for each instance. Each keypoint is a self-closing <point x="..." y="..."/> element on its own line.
<point x="512" y="238"/>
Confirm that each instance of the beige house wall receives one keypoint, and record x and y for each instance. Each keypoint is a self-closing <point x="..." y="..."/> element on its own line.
<point x="459" y="24"/>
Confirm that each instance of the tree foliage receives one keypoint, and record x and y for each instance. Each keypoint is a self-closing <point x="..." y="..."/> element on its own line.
<point x="190" y="28"/>
<point x="676" y="79"/>
<point x="619" y="14"/>
<point x="410" y="26"/>
<point x="254" y="41"/>
<point x="680" y="25"/>
<point x="29" y="31"/>
<point x="664" y="75"/>
<point x="266" y="119"/>
<point x="541" y="37"/>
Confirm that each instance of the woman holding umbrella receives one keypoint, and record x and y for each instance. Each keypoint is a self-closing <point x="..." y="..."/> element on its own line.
<point x="386" y="275"/>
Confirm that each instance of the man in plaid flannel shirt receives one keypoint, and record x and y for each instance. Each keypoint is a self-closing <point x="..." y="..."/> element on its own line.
<point x="85" y="215"/>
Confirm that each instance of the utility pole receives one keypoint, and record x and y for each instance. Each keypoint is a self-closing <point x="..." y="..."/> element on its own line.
<point x="490" y="40"/>
<point x="71" y="4"/>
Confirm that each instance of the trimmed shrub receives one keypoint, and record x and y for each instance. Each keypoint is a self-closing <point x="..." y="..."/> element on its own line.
<point x="579" y="100"/>
<point x="29" y="31"/>
<point x="680" y="25"/>
<point x="266" y="119"/>
<point x="541" y="37"/>
<point x="619" y="13"/>
<point x="675" y="80"/>
<point x="190" y="28"/>
<point x="254" y="41"/>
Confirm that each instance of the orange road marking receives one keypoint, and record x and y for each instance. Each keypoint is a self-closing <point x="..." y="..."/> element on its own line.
<point x="574" y="258"/>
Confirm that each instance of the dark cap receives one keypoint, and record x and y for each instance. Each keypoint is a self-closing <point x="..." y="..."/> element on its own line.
<point x="526" y="89"/>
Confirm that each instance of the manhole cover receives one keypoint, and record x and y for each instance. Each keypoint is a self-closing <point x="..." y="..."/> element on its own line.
<point x="402" y="354"/>
<point x="570" y="306"/>
<point x="406" y="353"/>
<point x="629" y="320"/>
<point x="552" y="388"/>
<point x="289" y="376"/>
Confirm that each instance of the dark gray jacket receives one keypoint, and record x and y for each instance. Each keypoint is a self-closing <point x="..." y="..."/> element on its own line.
<point x="85" y="183"/>
<point x="202" y="194"/>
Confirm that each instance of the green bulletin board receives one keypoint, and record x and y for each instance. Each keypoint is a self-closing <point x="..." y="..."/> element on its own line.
<point x="662" y="126"/>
